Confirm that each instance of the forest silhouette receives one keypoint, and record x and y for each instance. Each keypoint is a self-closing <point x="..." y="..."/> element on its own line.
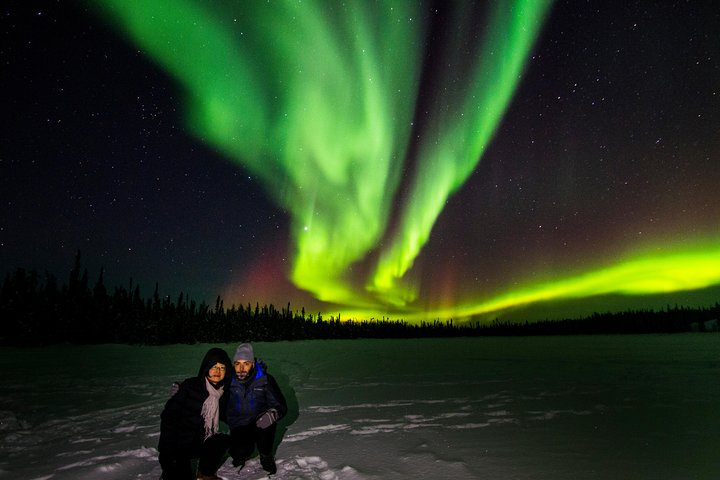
<point x="37" y="310"/>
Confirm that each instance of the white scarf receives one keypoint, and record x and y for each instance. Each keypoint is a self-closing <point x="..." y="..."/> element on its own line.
<point x="211" y="409"/>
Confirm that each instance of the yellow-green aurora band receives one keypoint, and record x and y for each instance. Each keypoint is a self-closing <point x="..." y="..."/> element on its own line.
<point x="690" y="268"/>
<point x="317" y="99"/>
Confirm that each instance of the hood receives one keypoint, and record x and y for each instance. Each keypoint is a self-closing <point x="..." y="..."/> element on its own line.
<point x="213" y="356"/>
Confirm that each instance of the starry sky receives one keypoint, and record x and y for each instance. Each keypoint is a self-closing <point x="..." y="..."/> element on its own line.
<point x="414" y="160"/>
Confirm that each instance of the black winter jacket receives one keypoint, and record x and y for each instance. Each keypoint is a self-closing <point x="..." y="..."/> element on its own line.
<point x="182" y="428"/>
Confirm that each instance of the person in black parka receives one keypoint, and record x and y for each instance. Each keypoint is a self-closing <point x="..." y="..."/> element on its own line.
<point x="189" y="423"/>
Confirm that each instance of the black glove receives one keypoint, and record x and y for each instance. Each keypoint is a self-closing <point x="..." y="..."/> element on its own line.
<point x="264" y="420"/>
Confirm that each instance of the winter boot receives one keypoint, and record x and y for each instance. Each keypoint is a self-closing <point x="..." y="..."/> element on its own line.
<point x="268" y="463"/>
<point x="238" y="463"/>
<point x="203" y="476"/>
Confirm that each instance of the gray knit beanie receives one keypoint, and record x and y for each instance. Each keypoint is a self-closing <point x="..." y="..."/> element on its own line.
<point x="244" y="352"/>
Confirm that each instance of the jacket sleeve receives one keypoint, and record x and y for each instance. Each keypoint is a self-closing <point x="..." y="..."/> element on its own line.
<point x="182" y="410"/>
<point x="275" y="398"/>
<point x="174" y="406"/>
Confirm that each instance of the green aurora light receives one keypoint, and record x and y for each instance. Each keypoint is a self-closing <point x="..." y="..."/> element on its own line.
<point x="303" y="96"/>
<point x="669" y="272"/>
<point x="317" y="99"/>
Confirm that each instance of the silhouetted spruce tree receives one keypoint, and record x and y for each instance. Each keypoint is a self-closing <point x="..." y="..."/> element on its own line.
<point x="39" y="311"/>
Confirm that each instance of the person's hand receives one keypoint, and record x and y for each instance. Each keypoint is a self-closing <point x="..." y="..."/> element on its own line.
<point x="174" y="388"/>
<point x="264" y="420"/>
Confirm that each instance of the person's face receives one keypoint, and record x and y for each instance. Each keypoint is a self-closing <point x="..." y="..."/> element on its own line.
<point x="216" y="373"/>
<point x="242" y="368"/>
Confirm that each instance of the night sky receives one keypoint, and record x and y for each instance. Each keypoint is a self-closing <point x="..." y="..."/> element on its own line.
<point x="517" y="159"/>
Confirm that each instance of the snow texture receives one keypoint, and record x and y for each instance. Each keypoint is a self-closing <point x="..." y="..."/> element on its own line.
<point x="600" y="407"/>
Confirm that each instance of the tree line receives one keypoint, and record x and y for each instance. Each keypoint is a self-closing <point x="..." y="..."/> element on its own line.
<point x="37" y="310"/>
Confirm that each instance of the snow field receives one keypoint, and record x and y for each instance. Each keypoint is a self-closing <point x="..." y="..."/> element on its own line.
<point x="501" y="408"/>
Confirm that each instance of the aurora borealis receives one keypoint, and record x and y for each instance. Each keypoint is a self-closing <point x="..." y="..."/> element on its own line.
<point x="415" y="160"/>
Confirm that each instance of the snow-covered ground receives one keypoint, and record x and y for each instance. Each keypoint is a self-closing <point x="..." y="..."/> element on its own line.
<point x="601" y="407"/>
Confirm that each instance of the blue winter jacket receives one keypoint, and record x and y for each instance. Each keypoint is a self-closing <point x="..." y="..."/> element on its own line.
<point x="252" y="397"/>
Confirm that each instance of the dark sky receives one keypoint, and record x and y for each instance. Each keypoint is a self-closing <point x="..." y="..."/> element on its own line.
<point x="599" y="177"/>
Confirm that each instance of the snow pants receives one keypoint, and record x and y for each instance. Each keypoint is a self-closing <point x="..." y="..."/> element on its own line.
<point x="243" y="440"/>
<point x="177" y="463"/>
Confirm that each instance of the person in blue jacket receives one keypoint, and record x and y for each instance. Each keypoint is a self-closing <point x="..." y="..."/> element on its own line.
<point x="254" y="406"/>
